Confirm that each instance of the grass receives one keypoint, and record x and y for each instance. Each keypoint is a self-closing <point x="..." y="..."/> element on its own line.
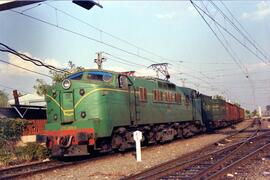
<point x="10" y="153"/>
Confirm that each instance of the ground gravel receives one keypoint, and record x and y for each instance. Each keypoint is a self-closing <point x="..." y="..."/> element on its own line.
<point x="256" y="169"/>
<point x="119" y="165"/>
<point x="260" y="169"/>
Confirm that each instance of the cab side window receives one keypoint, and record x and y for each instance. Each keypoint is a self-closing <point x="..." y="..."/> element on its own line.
<point x="123" y="82"/>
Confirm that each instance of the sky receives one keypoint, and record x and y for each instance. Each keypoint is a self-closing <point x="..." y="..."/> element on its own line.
<point x="153" y="32"/>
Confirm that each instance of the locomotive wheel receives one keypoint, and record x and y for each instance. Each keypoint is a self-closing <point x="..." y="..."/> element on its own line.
<point x="106" y="146"/>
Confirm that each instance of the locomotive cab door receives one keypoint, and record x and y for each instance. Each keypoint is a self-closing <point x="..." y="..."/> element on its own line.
<point x="126" y="83"/>
<point x="194" y="105"/>
<point x="67" y="104"/>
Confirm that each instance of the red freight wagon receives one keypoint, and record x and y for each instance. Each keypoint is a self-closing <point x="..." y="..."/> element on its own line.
<point x="242" y="114"/>
<point x="230" y="112"/>
<point x="235" y="113"/>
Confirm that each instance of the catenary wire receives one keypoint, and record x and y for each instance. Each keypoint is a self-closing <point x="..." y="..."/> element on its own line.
<point x="79" y="34"/>
<point x="84" y="36"/>
<point x="228" y="32"/>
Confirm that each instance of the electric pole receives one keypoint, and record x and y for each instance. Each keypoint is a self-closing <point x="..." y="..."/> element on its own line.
<point x="100" y="59"/>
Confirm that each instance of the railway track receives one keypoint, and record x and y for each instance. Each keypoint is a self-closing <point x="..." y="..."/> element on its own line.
<point x="21" y="171"/>
<point x="30" y="169"/>
<point x="40" y="167"/>
<point x="197" y="165"/>
<point x="235" y="165"/>
<point x="33" y="168"/>
<point x="212" y="165"/>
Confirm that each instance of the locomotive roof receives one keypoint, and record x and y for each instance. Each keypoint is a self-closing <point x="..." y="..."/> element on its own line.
<point x="101" y="70"/>
<point x="115" y="72"/>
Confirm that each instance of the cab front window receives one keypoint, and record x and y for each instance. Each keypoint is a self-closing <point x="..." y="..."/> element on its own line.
<point x="99" y="76"/>
<point x="77" y="76"/>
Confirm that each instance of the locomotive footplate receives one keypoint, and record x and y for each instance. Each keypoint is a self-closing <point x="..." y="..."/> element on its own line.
<point x="74" y="150"/>
<point x="70" y="142"/>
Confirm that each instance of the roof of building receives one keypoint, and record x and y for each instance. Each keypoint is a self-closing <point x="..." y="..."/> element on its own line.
<point x="29" y="99"/>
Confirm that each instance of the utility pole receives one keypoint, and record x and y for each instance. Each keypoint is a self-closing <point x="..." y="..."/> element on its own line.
<point x="259" y="111"/>
<point x="100" y="59"/>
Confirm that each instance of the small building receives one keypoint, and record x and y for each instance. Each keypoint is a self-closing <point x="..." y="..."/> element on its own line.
<point x="32" y="108"/>
<point x="267" y="111"/>
<point x="30" y="99"/>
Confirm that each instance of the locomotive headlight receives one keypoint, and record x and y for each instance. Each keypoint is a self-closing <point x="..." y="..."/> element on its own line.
<point x="66" y="84"/>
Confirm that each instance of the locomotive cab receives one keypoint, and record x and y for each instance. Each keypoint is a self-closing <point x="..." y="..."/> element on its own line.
<point x="77" y="108"/>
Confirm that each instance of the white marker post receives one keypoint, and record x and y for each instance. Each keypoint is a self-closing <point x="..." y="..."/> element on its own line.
<point x="137" y="136"/>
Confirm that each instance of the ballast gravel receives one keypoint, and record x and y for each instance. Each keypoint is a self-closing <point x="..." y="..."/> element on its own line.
<point x="257" y="168"/>
<point x="119" y="165"/>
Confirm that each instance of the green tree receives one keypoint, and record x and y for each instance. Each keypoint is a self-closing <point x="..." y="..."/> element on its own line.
<point x="255" y="112"/>
<point x="3" y="99"/>
<point x="42" y="87"/>
<point x="60" y="76"/>
<point x="248" y="114"/>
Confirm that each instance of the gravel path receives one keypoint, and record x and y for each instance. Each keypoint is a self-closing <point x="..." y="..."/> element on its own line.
<point x="120" y="165"/>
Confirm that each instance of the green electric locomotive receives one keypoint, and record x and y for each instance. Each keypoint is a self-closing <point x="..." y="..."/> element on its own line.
<point x="98" y="110"/>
